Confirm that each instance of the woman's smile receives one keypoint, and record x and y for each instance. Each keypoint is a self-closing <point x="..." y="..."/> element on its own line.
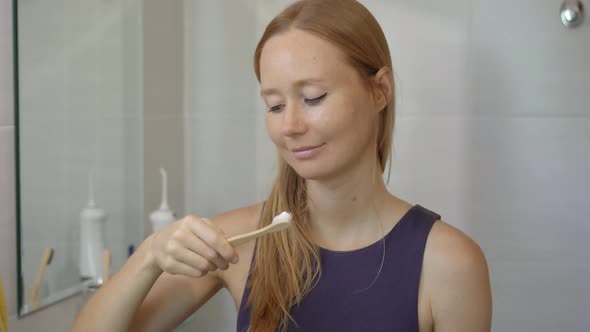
<point x="306" y="152"/>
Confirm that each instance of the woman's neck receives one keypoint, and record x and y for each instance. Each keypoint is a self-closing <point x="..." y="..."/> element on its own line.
<point x="347" y="211"/>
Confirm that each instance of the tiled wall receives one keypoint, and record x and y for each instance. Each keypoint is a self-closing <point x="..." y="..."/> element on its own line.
<point x="7" y="167"/>
<point x="80" y="109"/>
<point x="492" y="133"/>
<point x="220" y="121"/>
<point x="55" y="318"/>
<point x="163" y="112"/>
<point x="116" y="118"/>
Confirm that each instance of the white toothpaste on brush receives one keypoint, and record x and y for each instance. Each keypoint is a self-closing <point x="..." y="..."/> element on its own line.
<point x="283" y="217"/>
<point x="279" y="223"/>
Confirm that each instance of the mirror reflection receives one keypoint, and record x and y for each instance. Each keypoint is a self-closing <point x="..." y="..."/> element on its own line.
<point x="80" y="142"/>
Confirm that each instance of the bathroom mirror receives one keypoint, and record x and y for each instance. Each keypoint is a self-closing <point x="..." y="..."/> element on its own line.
<point x="120" y="89"/>
<point x="79" y="112"/>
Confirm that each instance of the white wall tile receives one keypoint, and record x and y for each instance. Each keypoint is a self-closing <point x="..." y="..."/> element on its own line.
<point x="429" y="164"/>
<point x="468" y="142"/>
<point x="217" y="315"/>
<point x="537" y="295"/>
<point x="527" y="200"/>
<point x="525" y="62"/>
<point x="219" y="79"/>
<point x="429" y="44"/>
<point x="56" y="318"/>
<point x="99" y="111"/>
<point x="6" y="61"/>
<point x="220" y="123"/>
<point x="8" y="217"/>
<point x="221" y="166"/>
<point x="518" y="186"/>
<point x="164" y="147"/>
<point x="266" y="157"/>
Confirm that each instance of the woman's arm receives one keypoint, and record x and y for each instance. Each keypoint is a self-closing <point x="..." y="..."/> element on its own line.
<point x="457" y="280"/>
<point x="175" y="297"/>
<point x="112" y="307"/>
<point x="172" y="299"/>
<point x="174" y="264"/>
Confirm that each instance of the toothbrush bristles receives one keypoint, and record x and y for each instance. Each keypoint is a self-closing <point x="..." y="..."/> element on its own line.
<point x="283" y="217"/>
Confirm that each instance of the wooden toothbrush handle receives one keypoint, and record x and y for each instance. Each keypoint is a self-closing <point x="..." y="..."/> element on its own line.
<point x="44" y="262"/>
<point x="106" y="265"/>
<point x="246" y="237"/>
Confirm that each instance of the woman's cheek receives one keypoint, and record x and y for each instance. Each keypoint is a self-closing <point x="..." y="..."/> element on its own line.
<point x="334" y="118"/>
<point x="272" y="130"/>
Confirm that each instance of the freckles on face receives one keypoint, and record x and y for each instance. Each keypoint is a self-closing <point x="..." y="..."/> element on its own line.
<point x="295" y="68"/>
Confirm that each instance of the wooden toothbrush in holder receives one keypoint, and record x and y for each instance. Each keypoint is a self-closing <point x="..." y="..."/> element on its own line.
<point x="45" y="260"/>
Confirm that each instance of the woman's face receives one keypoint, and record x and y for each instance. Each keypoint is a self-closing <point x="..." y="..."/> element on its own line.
<point x="320" y="112"/>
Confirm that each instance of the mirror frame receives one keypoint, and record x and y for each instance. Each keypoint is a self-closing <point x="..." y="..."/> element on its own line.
<point x="23" y="309"/>
<point x="15" y="71"/>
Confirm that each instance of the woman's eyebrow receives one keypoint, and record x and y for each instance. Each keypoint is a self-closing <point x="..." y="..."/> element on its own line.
<point x="297" y="84"/>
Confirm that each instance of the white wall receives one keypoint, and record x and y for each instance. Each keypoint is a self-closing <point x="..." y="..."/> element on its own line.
<point x="163" y="104"/>
<point x="492" y="132"/>
<point x="80" y="108"/>
<point x="55" y="318"/>
<point x="95" y="53"/>
<point x="220" y="122"/>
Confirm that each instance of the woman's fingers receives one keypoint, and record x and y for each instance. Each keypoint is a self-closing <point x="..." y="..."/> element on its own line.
<point x="185" y="269"/>
<point x="195" y="245"/>
<point x="197" y="261"/>
<point x="213" y="237"/>
<point x="213" y="225"/>
<point x="192" y="246"/>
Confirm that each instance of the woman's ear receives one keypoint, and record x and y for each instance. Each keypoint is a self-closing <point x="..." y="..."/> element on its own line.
<point x="383" y="88"/>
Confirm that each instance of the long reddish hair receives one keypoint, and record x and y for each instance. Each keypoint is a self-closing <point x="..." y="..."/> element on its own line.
<point x="287" y="264"/>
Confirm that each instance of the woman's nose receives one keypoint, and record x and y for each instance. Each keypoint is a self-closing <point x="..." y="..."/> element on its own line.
<point x="293" y="121"/>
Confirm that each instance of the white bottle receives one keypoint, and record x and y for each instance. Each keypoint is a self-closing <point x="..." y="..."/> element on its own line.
<point x="92" y="222"/>
<point x="163" y="216"/>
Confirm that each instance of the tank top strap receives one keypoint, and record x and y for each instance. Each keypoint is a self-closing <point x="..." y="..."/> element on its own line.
<point x="410" y="239"/>
<point x="419" y="220"/>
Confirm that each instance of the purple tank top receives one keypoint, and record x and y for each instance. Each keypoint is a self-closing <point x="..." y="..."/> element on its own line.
<point x="342" y="299"/>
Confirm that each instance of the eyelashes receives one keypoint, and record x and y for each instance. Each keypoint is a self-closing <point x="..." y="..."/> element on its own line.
<point x="309" y="102"/>
<point x="275" y="108"/>
<point x="315" y="101"/>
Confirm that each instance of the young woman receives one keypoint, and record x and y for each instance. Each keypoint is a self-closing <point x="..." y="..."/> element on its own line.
<point x="356" y="258"/>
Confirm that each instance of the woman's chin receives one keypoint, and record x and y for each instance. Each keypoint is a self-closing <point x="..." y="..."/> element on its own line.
<point x="312" y="173"/>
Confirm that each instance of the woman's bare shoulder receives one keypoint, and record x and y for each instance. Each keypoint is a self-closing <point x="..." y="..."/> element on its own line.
<point x="235" y="222"/>
<point x="446" y="242"/>
<point x="240" y="220"/>
<point x="456" y="276"/>
<point x="452" y="254"/>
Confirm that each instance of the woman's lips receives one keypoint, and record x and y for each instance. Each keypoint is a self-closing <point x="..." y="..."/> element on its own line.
<point x="306" y="152"/>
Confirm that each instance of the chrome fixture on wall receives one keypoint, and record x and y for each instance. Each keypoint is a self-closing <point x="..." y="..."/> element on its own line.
<point x="572" y="13"/>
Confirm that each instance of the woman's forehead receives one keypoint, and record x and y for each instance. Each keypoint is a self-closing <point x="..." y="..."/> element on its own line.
<point x="296" y="55"/>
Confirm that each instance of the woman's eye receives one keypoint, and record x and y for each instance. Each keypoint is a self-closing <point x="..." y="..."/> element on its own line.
<point x="310" y="102"/>
<point x="315" y="101"/>
<point x="275" y="108"/>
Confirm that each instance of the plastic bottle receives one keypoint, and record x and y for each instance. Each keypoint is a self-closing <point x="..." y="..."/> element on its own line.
<point x="92" y="223"/>
<point x="163" y="216"/>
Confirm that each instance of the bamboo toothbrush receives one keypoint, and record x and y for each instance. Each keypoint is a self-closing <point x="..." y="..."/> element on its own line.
<point x="46" y="260"/>
<point x="279" y="223"/>
<point x="106" y="265"/>
<point x="3" y="310"/>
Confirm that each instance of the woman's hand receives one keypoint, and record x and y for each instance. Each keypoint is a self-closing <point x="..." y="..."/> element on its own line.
<point x="192" y="246"/>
